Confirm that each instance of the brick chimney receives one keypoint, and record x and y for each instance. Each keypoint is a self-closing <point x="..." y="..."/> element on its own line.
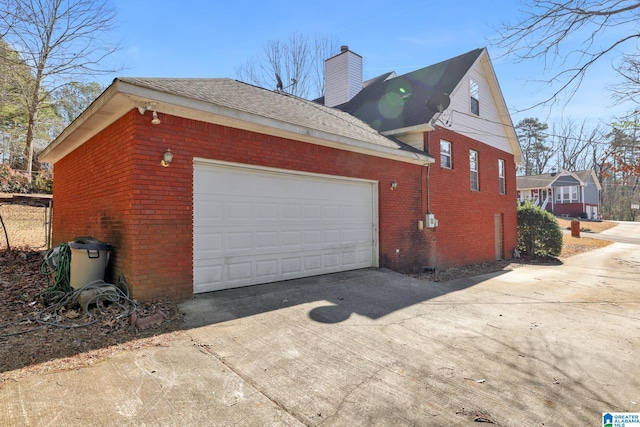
<point x="342" y="77"/>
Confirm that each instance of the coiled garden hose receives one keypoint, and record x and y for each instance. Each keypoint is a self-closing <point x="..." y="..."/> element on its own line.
<point x="57" y="263"/>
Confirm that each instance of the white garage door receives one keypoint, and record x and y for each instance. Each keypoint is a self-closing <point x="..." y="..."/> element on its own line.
<point x="255" y="226"/>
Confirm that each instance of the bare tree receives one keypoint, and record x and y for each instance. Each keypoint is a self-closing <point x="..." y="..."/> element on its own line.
<point x="629" y="88"/>
<point x="576" y="145"/>
<point x="60" y="41"/>
<point x="298" y="62"/>
<point x="548" y="28"/>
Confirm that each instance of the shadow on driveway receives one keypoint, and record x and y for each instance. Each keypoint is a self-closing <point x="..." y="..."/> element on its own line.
<point x="369" y="292"/>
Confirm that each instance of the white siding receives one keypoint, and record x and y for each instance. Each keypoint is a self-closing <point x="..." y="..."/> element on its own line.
<point x="415" y="139"/>
<point x="488" y="127"/>
<point x="342" y="78"/>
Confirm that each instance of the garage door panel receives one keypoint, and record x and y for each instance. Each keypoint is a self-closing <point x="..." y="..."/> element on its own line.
<point x="313" y="262"/>
<point x="209" y="278"/>
<point x="239" y="270"/>
<point x="267" y="211"/>
<point x="291" y="212"/>
<point x="312" y="212"/>
<point x="240" y="210"/>
<point x="312" y="236"/>
<point x="253" y="226"/>
<point x="291" y="238"/>
<point x="331" y="261"/>
<point x="267" y="268"/>
<point x="365" y="257"/>
<point x="267" y="240"/>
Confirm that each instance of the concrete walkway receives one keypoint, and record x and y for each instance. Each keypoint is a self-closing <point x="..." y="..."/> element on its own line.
<point x="540" y="345"/>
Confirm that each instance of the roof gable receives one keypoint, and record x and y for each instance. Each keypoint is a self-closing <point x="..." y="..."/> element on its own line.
<point x="401" y="101"/>
<point x="399" y="105"/>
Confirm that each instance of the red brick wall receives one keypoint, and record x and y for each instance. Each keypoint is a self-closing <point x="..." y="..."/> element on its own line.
<point x="466" y="230"/>
<point x="114" y="188"/>
<point x="94" y="195"/>
<point x="570" y="209"/>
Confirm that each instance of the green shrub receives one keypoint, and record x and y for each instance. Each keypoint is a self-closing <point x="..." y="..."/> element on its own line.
<point x="539" y="233"/>
<point x="43" y="182"/>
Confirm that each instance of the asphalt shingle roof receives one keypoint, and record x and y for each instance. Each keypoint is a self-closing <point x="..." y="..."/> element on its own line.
<point x="545" y="180"/>
<point x="534" y="181"/>
<point x="277" y="106"/>
<point x="401" y="101"/>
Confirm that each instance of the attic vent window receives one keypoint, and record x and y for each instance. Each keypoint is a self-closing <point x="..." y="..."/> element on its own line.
<point x="474" y="92"/>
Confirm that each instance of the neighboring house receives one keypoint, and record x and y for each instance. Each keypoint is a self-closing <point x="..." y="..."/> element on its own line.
<point x="263" y="186"/>
<point x="573" y="194"/>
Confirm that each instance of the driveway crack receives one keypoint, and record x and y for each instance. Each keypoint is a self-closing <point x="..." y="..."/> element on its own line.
<point x="249" y="382"/>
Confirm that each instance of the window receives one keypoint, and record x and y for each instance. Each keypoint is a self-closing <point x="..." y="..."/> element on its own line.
<point x="474" y="92"/>
<point x="473" y="168"/>
<point x="501" y="176"/>
<point x="567" y="194"/>
<point x="445" y="154"/>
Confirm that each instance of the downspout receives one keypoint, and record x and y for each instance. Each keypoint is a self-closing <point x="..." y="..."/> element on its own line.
<point x="428" y="174"/>
<point x="432" y="258"/>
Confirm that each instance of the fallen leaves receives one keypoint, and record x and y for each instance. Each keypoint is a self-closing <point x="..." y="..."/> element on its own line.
<point x="25" y="340"/>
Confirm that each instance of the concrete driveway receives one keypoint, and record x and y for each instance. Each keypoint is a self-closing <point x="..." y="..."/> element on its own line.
<point x="624" y="232"/>
<point x="540" y="345"/>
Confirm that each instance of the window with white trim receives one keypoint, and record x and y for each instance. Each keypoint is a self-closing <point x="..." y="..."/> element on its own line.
<point x="445" y="154"/>
<point x="567" y="194"/>
<point x="473" y="169"/>
<point x="474" y="94"/>
<point x="501" y="182"/>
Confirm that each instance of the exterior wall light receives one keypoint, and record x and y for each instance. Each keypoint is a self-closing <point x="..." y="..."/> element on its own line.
<point x="166" y="158"/>
<point x="394" y="185"/>
<point x="144" y="108"/>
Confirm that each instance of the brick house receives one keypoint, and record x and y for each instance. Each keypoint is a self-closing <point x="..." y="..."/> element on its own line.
<point x="263" y="186"/>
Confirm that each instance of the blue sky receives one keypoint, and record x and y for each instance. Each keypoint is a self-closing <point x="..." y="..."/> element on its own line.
<point x="212" y="39"/>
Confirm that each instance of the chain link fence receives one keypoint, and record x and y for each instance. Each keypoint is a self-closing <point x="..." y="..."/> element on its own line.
<point x="25" y="226"/>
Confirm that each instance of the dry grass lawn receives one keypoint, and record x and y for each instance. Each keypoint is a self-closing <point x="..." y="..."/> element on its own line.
<point x="25" y="227"/>
<point x="589" y="226"/>
<point x="577" y="245"/>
